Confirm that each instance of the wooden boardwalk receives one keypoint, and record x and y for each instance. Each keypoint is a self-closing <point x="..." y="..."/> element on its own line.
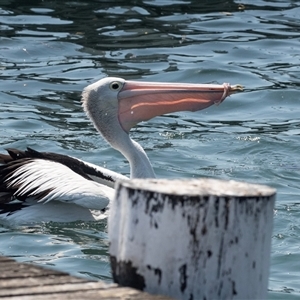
<point x="21" y="281"/>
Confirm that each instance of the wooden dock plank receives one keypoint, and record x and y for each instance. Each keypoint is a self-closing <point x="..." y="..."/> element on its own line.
<point x="10" y="269"/>
<point x="116" y="293"/>
<point x="110" y="293"/>
<point x="38" y="280"/>
<point x="19" y="281"/>
<point x="52" y="288"/>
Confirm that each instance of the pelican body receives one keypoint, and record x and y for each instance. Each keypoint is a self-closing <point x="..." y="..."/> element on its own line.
<point x="42" y="187"/>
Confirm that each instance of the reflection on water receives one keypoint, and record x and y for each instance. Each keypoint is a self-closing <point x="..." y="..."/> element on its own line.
<point x="50" y="50"/>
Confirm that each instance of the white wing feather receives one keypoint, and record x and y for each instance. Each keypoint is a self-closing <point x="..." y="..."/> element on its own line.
<point x="57" y="182"/>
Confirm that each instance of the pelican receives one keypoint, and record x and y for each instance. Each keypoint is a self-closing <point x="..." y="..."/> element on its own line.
<point x="41" y="186"/>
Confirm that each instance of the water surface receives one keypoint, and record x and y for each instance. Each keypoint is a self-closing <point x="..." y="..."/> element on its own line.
<point x="50" y="50"/>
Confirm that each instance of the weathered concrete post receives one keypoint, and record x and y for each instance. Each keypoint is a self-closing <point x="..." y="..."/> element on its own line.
<point x="192" y="239"/>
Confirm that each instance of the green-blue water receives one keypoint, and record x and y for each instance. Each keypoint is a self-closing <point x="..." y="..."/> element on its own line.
<point x="50" y="50"/>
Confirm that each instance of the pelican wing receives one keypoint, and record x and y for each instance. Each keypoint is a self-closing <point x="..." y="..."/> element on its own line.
<point x="46" y="180"/>
<point x="86" y="170"/>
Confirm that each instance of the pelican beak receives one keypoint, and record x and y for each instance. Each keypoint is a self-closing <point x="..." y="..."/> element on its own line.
<point x="141" y="101"/>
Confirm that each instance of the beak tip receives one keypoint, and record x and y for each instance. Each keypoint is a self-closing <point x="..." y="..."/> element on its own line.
<point x="228" y="90"/>
<point x="237" y="88"/>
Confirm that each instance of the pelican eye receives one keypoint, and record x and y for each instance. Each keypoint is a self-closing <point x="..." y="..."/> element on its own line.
<point x="115" y="86"/>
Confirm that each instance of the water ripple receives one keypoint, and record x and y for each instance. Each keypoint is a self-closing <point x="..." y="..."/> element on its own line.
<point x="50" y="51"/>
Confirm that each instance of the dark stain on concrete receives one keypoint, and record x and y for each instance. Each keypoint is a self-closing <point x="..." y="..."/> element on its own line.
<point x="124" y="273"/>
